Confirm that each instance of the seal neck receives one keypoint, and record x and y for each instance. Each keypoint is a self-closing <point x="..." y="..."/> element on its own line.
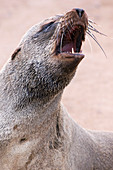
<point x="13" y="97"/>
<point x="19" y="90"/>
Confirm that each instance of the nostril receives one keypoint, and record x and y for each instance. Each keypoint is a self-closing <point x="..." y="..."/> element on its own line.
<point x="80" y="12"/>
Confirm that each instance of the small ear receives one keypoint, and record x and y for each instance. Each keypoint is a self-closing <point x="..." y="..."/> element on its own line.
<point x="15" y="53"/>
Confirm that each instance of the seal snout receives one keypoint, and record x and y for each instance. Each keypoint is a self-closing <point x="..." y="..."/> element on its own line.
<point x="79" y="11"/>
<point x="71" y="34"/>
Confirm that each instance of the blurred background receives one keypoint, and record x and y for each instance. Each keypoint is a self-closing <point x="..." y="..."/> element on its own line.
<point x="89" y="97"/>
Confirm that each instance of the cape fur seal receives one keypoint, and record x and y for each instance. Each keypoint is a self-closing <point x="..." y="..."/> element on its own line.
<point x="36" y="132"/>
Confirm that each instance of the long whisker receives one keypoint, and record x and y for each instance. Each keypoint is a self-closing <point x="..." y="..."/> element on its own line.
<point x="89" y="43"/>
<point x="89" y="20"/>
<point x="58" y="35"/>
<point x="90" y="25"/>
<point x="94" y="23"/>
<point x="58" y="30"/>
<point x="91" y="35"/>
<point x="61" y="41"/>
<point x="95" y="30"/>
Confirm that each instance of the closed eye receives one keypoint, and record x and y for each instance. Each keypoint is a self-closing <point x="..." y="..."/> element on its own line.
<point x="46" y="26"/>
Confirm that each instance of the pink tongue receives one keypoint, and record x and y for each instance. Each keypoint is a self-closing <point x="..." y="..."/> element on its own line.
<point x="68" y="47"/>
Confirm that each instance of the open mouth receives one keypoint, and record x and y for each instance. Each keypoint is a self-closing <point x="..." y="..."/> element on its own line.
<point x="70" y="40"/>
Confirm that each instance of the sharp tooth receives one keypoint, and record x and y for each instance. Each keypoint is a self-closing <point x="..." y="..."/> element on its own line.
<point x="73" y="50"/>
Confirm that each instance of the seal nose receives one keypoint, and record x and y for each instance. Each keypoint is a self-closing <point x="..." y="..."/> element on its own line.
<point x="80" y="12"/>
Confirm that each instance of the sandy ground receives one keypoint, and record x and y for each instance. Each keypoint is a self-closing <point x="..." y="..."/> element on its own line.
<point x="89" y="97"/>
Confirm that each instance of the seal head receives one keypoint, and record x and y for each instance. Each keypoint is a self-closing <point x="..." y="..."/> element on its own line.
<point x="50" y="53"/>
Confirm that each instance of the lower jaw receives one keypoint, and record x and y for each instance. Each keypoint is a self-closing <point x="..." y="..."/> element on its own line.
<point x="68" y="61"/>
<point x="67" y="55"/>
